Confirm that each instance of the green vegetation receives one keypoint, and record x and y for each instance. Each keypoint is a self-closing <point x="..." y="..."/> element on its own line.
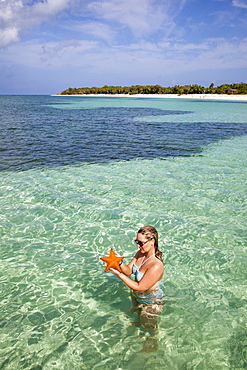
<point x="233" y="89"/>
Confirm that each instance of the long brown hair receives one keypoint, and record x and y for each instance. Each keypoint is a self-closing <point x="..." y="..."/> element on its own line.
<point x="151" y="233"/>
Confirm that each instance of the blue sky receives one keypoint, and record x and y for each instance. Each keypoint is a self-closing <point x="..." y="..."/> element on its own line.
<point x="50" y="45"/>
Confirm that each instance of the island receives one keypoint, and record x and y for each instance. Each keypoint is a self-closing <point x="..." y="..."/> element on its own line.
<point x="225" y="89"/>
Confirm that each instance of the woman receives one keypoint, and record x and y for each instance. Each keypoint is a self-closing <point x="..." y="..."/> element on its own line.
<point x="148" y="268"/>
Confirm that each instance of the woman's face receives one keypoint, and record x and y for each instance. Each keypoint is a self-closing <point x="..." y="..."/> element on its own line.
<point x="143" y="243"/>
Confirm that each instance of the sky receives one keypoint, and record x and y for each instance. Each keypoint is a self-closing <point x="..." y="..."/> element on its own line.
<point x="48" y="46"/>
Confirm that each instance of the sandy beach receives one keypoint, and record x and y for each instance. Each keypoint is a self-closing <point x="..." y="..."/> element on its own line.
<point x="170" y="96"/>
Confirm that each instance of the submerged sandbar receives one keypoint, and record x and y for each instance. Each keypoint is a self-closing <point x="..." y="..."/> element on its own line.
<point x="183" y="96"/>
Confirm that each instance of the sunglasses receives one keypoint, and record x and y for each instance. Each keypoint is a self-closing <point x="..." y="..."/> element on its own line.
<point x="141" y="244"/>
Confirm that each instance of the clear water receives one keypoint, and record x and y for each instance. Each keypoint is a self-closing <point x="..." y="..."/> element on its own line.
<point x="80" y="176"/>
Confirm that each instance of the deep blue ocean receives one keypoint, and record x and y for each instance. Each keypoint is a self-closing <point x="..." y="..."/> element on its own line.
<point x="45" y="131"/>
<point x="80" y="175"/>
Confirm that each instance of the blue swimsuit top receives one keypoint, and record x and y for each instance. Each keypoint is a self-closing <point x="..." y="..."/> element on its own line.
<point x="138" y="274"/>
<point x="147" y="297"/>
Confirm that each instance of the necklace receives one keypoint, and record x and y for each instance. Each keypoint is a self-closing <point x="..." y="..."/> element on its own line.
<point x="142" y="263"/>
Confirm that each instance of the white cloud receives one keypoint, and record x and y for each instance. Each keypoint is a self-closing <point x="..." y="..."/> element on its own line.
<point x="140" y="16"/>
<point x="8" y="23"/>
<point x="240" y="3"/>
<point x="50" y="56"/>
<point x="60" y="53"/>
<point x="96" y="29"/>
<point x="142" y="58"/>
<point x="59" y="65"/>
<point x="9" y="35"/>
<point x="16" y="17"/>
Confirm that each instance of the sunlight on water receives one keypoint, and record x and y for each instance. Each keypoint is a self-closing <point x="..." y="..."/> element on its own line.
<point x="59" y="310"/>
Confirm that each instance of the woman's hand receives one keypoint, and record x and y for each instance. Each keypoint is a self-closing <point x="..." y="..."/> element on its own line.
<point x="116" y="272"/>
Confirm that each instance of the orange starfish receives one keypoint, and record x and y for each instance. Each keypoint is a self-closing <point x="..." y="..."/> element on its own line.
<point x="112" y="261"/>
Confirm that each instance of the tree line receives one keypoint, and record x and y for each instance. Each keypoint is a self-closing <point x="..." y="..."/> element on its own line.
<point x="230" y="89"/>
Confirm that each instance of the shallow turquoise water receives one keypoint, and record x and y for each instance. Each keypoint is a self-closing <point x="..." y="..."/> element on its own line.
<point x="59" y="310"/>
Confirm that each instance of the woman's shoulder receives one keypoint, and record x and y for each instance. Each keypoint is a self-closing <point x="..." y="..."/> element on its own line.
<point x="157" y="264"/>
<point x="155" y="268"/>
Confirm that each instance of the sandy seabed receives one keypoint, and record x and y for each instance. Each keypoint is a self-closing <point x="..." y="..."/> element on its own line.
<point x="188" y="96"/>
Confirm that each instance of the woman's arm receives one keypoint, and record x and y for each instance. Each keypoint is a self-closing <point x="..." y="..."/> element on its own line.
<point x="127" y="269"/>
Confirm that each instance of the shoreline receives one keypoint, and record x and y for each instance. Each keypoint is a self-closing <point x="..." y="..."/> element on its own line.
<point x="169" y="96"/>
